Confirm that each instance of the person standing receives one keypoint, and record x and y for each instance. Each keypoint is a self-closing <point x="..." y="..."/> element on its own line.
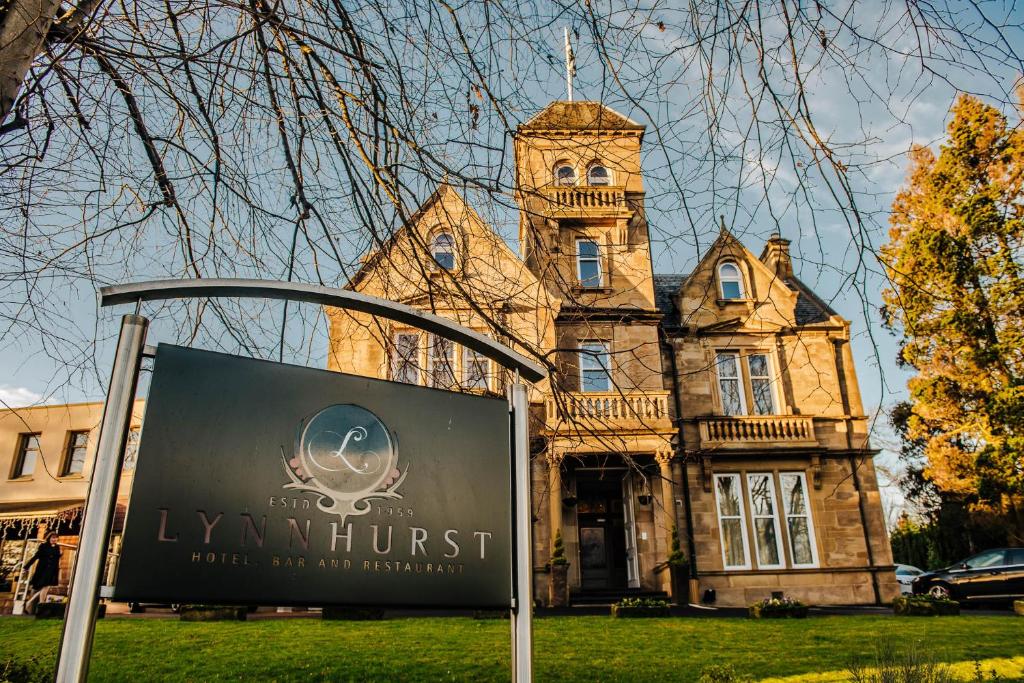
<point x="47" y="561"/>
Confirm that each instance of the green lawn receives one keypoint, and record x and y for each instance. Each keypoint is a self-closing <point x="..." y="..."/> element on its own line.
<point x="566" y="649"/>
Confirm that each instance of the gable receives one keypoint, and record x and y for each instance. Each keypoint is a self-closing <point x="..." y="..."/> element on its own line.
<point x="580" y="116"/>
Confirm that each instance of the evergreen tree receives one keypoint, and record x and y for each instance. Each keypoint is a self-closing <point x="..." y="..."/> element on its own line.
<point x="957" y="296"/>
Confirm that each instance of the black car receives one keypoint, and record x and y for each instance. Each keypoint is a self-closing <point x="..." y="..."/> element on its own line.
<point x="996" y="574"/>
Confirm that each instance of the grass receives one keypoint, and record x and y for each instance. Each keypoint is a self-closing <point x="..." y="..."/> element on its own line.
<point x="565" y="649"/>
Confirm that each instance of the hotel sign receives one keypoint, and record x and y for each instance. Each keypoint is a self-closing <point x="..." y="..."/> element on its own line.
<point x="271" y="484"/>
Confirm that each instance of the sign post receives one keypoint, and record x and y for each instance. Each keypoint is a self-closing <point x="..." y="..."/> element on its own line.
<point x="336" y="461"/>
<point x="80" y="618"/>
<point x="522" y="612"/>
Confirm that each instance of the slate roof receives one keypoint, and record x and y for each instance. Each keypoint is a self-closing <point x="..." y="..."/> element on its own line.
<point x="810" y="309"/>
<point x="665" y="289"/>
<point x="594" y="116"/>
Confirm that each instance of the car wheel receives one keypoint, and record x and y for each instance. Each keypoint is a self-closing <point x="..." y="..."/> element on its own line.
<point x="175" y="607"/>
<point x="135" y="607"/>
<point x="940" y="592"/>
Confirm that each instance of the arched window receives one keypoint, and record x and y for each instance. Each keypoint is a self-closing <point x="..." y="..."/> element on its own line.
<point x="565" y="174"/>
<point x="599" y="175"/>
<point x="443" y="250"/>
<point x="730" y="281"/>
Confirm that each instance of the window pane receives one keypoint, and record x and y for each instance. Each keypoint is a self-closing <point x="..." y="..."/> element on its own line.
<point x="727" y="365"/>
<point x="599" y="175"/>
<point x="588" y="249"/>
<point x="442" y="363"/>
<point x="131" y="449"/>
<point x="767" y="542"/>
<point x="731" y="290"/>
<point x="800" y="540"/>
<point x="77" y="445"/>
<point x="594" y="367"/>
<point x="474" y="370"/>
<point x="444" y="251"/>
<point x="728" y="270"/>
<point x="28" y="464"/>
<point x="762" y="391"/>
<point x="565" y="175"/>
<point x="728" y="496"/>
<point x="758" y="365"/>
<point x="761" y="496"/>
<point x="793" y="494"/>
<point x="405" y="359"/>
<point x="590" y="273"/>
<point x="732" y="542"/>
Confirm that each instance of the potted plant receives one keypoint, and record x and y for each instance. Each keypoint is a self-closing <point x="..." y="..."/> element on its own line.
<point x="679" y="570"/>
<point x="778" y="608"/>
<point x="924" y="606"/>
<point x="558" y="585"/>
<point x="636" y="608"/>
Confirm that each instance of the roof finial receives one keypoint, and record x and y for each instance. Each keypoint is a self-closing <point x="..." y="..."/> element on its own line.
<point x="721" y="221"/>
<point x="570" y="63"/>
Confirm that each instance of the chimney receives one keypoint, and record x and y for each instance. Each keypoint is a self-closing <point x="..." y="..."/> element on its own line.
<point x="776" y="257"/>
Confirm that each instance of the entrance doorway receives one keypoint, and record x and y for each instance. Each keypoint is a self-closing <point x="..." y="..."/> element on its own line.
<point x="604" y="515"/>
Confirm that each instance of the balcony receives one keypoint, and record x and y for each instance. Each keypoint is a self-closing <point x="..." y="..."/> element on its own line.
<point x="757" y="431"/>
<point x="586" y="200"/>
<point x="608" y="411"/>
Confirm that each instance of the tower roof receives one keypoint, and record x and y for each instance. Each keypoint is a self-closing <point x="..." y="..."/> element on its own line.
<point x="587" y="116"/>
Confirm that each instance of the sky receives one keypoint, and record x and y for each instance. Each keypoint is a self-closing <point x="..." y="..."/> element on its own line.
<point x="873" y="119"/>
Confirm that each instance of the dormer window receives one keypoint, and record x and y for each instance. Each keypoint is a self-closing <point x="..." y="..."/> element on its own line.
<point x="443" y="250"/>
<point x="730" y="281"/>
<point x="599" y="175"/>
<point x="565" y="175"/>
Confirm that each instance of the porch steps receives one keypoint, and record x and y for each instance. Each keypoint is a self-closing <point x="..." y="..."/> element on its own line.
<point x="611" y="596"/>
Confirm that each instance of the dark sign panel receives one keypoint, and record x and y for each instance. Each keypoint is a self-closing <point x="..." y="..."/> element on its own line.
<point x="271" y="484"/>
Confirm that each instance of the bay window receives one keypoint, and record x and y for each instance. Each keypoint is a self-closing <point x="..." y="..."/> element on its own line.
<point x="775" y="512"/>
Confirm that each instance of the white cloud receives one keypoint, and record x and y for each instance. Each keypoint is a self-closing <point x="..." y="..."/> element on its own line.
<point x="20" y="397"/>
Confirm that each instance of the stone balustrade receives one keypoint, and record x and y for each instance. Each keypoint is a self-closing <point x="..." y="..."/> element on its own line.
<point x="586" y="198"/>
<point x="608" y="410"/>
<point x="757" y="430"/>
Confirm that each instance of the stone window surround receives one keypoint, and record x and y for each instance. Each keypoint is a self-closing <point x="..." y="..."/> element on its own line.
<point x="781" y="523"/>
<point x="557" y="167"/>
<point x="423" y="367"/>
<point x="746" y="396"/>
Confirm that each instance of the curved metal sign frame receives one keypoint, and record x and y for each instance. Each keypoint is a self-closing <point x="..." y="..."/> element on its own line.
<point x="326" y="296"/>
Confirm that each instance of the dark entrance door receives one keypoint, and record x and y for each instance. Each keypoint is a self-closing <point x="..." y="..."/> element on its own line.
<point x="602" y="530"/>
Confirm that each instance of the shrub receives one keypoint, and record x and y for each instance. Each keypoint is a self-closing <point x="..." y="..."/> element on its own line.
<point x="676" y="558"/>
<point x="909" y="664"/>
<point x="778" y="608"/>
<point x="36" y="669"/>
<point x="720" y="673"/>
<point x="640" y="607"/>
<point x="924" y="606"/>
<point x="558" y="558"/>
<point x="653" y="603"/>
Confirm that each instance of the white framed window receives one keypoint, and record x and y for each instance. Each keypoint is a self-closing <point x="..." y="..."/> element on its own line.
<point x="28" y="453"/>
<point x="588" y="263"/>
<point x="565" y="174"/>
<point x="799" y="525"/>
<point x="595" y="366"/>
<point x="730" y="383"/>
<point x="131" y="448"/>
<point x="730" y="281"/>
<point x="405" y="358"/>
<point x="761" y="384"/>
<point x="765" y="519"/>
<point x="442" y="248"/>
<point x="599" y="175"/>
<point x="732" y="521"/>
<point x="441" y="362"/>
<point x="476" y="370"/>
<point x="74" y="458"/>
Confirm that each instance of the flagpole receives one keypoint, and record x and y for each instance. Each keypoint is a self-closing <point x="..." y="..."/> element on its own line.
<point x="570" y="60"/>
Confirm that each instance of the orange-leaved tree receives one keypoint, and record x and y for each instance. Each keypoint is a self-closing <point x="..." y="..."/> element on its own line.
<point x="956" y="296"/>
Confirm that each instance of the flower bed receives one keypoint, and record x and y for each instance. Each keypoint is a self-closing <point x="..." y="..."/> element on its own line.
<point x="778" y="608"/>
<point x="638" y="608"/>
<point x="212" y="613"/>
<point x="924" y="606"/>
